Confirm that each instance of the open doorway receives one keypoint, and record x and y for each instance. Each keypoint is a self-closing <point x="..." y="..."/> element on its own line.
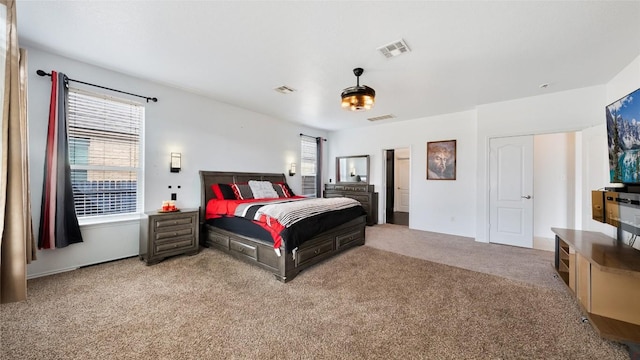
<point x="525" y="202"/>
<point x="397" y="186"/>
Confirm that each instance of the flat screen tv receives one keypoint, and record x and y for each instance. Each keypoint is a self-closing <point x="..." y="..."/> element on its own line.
<point x="623" y="133"/>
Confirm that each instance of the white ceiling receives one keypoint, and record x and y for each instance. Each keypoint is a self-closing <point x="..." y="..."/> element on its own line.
<point x="464" y="53"/>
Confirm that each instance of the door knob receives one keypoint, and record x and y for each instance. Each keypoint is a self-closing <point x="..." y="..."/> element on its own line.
<point x="526" y="197"/>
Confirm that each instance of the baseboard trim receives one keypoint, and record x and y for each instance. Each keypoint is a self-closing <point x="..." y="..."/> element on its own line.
<point x="546" y="244"/>
<point x="52" y="272"/>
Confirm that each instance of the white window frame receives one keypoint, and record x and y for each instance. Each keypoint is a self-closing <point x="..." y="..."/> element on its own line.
<point x="139" y="170"/>
<point x="308" y="161"/>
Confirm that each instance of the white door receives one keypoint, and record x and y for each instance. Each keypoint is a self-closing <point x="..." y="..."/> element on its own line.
<point x="511" y="190"/>
<point x="402" y="185"/>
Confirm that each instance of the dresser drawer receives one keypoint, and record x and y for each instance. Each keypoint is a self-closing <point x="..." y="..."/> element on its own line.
<point x="349" y="187"/>
<point x="306" y="255"/>
<point x="364" y="194"/>
<point x="177" y="244"/>
<point x="174" y="233"/>
<point x="363" y="199"/>
<point x="244" y="249"/>
<point x="187" y="220"/>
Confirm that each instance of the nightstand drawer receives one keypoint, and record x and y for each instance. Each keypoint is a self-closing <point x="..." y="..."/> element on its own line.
<point x="175" y="245"/>
<point x="173" y="222"/>
<point x="174" y="233"/>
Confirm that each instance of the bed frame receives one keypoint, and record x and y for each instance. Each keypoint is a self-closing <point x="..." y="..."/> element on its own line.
<point x="260" y="252"/>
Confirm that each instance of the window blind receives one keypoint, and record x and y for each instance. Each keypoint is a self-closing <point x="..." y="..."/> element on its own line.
<point x="104" y="153"/>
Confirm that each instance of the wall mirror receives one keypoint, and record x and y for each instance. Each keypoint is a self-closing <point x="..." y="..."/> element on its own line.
<point x="352" y="169"/>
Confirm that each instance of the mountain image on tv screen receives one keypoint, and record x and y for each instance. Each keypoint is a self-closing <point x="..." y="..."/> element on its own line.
<point x="623" y="134"/>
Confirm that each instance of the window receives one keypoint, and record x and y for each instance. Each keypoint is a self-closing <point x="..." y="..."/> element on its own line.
<point x="104" y="153"/>
<point x="309" y="166"/>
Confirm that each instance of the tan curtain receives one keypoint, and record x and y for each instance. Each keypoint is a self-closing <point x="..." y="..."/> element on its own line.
<point x="17" y="246"/>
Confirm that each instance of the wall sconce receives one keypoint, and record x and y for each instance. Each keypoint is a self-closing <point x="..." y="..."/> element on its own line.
<point x="175" y="162"/>
<point x="292" y="170"/>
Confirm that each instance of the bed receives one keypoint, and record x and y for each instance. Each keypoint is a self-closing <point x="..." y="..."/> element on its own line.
<point x="301" y="246"/>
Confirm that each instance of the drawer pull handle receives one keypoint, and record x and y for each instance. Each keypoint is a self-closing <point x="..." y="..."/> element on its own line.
<point x="316" y="251"/>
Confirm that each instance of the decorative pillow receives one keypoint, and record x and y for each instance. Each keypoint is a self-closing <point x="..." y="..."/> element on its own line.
<point x="223" y="191"/>
<point x="242" y="191"/>
<point x="262" y="189"/>
<point x="279" y="191"/>
<point x="282" y="190"/>
<point x="289" y="191"/>
<point x="286" y="189"/>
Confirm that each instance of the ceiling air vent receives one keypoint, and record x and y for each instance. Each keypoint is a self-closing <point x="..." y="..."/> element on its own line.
<point x="394" y="49"/>
<point x="382" y="117"/>
<point x="284" y="89"/>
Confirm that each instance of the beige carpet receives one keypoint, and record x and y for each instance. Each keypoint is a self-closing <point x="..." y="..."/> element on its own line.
<point x="363" y="304"/>
<point x="532" y="266"/>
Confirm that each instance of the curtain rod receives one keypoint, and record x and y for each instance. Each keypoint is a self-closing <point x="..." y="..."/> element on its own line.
<point x="314" y="137"/>
<point x="43" y="73"/>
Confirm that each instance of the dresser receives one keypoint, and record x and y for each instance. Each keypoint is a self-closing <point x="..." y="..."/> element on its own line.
<point x="168" y="234"/>
<point x="364" y="193"/>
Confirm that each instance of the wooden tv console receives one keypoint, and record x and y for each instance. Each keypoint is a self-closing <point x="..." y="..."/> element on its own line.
<point x="604" y="275"/>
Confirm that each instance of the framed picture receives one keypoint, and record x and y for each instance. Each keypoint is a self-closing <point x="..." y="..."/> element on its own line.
<point x="441" y="160"/>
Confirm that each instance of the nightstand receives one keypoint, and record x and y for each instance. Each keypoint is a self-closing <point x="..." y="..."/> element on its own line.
<point x="168" y="234"/>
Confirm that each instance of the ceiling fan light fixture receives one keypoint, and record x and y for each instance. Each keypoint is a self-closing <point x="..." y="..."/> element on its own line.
<point x="359" y="97"/>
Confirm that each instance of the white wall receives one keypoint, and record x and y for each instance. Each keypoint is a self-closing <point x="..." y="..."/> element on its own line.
<point x="210" y="135"/>
<point x="627" y="81"/>
<point x="553" y="186"/>
<point x="595" y="173"/>
<point x="436" y="205"/>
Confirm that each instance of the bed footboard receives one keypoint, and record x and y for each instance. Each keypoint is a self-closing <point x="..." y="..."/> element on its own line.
<point x="291" y="262"/>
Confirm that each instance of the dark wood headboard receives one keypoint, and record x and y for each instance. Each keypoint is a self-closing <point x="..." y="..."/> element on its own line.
<point x="208" y="178"/>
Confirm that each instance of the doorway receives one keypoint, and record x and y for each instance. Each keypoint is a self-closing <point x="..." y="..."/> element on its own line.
<point x="534" y="184"/>
<point x="397" y="192"/>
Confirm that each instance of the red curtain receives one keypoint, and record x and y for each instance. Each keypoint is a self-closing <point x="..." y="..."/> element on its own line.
<point x="58" y="221"/>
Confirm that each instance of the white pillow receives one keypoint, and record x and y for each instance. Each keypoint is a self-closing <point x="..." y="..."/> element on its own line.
<point x="262" y="189"/>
